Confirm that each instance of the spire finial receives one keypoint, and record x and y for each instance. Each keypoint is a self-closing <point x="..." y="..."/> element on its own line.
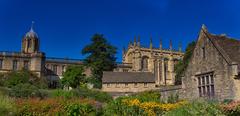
<point x="138" y="43"/>
<point x="32" y="26"/>
<point x="170" y="45"/>
<point x="151" y="45"/>
<point x="160" y="45"/>
<point x="204" y="27"/>
<point x="135" y="41"/>
<point x="180" y="47"/>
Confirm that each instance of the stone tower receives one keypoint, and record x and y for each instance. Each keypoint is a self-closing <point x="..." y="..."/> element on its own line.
<point x="30" y="42"/>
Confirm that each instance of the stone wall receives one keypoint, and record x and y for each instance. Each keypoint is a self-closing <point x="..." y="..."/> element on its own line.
<point x="211" y="60"/>
<point x="127" y="87"/>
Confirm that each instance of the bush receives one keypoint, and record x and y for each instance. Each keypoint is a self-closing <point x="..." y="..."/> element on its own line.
<point x="197" y="108"/>
<point x="133" y="106"/>
<point x="14" y="78"/>
<point x="54" y="106"/>
<point x="173" y="98"/>
<point x="232" y="108"/>
<point x="26" y="91"/>
<point x="6" y="105"/>
<point x="80" y="110"/>
<point x="148" y="96"/>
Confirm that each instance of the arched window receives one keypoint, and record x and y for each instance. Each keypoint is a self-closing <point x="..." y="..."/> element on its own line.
<point x="145" y="63"/>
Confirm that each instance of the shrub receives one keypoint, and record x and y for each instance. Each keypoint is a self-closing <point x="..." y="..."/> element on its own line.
<point x="6" y="105"/>
<point x="134" y="106"/>
<point x="173" y="98"/>
<point x="79" y="110"/>
<point x="14" y="78"/>
<point x="148" y="96"/>
<point x="54" y="106"/>
<point x="25" y="91"/>
<point x="196" y="108"/>
<point x="232" y="108"/>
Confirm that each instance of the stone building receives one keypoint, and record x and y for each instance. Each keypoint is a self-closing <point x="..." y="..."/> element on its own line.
<point x="158" y="62"/>
<point x="128" y="81"/>
<point x="31" y="58"/>
<point x="213" y="71"/>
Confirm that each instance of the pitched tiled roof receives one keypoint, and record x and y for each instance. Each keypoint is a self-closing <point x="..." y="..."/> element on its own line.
<point x="123" y="77"/>
<point x="229" y="48"/>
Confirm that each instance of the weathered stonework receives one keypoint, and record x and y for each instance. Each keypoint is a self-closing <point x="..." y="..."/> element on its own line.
<point x="210" y="57"/>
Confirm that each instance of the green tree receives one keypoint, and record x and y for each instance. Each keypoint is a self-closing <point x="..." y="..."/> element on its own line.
<point x="182" y="64"/>
<point x="100" y="57"/>
<point x="23" y="76"/>
<point x="74" y="76"/>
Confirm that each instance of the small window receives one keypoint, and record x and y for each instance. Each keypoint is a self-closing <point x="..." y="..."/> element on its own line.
<point x="15" y="65"/>
<point x="145" y="84"/>
<point x="126" y="84"/>
<point x="26" y="65"/>
<point x="108" y="84"/>
<point x="63" y="69"/>
<point x="117" y="85"/>
<point x="135" y="84"/>
<point x="1" y="63"/>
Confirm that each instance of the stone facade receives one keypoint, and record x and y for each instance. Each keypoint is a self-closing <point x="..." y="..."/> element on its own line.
<point x="31" y="58"/>
<point x="127" y="87"/>
<point x="213" y="71"/>
<point x="158" y="61"/>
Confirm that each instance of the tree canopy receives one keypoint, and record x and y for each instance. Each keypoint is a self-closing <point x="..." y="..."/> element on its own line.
<point x="74" y="76"/>
<point x="100" y="56"/>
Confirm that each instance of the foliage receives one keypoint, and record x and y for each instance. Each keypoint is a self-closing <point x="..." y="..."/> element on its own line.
<point x="54" y="106"/>
<point x="196" y="108"/>
<point x="232" y="108"/>
<point x="148" y="96"/>
<point x="100" y="57"/>
<point x="25" y="91"/>
<point x="80" y="110"/>
<point x="7" y="106"/>
<point x="134" y="107"/>
<point x="82" y="93"/>
<point x="74" y="76"/>
<point x="14" y="78"/>
<point x="173" y="98"/>
<point x="182" y="64"/>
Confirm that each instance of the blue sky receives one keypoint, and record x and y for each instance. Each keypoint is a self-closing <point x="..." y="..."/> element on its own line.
<point x="66" y="26"/>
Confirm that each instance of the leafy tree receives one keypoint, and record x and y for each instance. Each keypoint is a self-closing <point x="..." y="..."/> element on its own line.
<point x="74" y="76"/>
<point x="182" y="64"/>
<point x="23" y="76"/>
<point x="100" y="57"/>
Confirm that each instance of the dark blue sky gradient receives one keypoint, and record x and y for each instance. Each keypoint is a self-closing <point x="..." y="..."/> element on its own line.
<point x="66" y="26"/>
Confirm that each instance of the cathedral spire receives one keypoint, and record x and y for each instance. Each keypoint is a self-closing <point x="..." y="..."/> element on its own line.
<point x="180" y="47"/>
<point x="123" y="50"/>
<point x="31" y="29"/>
<point x="135" y="41"/>
<point x="151" y="45"/>
<point x="138" y="43"/>
<point x="160" y="45"/>
<point x="170" y="45"/>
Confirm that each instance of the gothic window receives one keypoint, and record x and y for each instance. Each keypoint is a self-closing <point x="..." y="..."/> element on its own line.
<point x="206" y="85"/>
<point x="26" y="65"/>
<point x="29" y="43"/>
<point x="1" y="63"/>
<point x="145" y="63"/>
<point x="15" y="64"/>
